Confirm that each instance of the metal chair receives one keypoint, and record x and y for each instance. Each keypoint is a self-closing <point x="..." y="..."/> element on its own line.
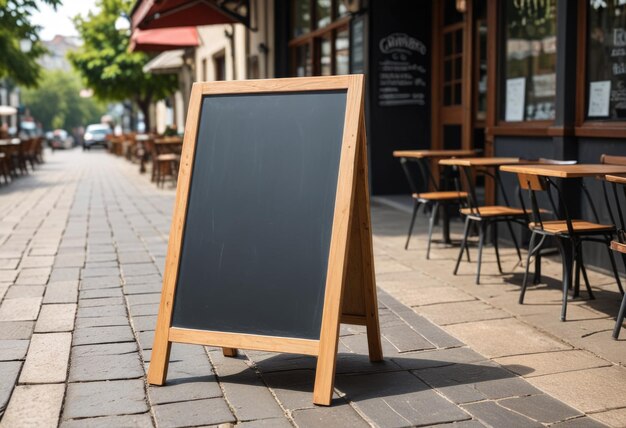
<point x="486" y="216"/>
<point x="568" y="233"/>
<point x="433" y="200"/>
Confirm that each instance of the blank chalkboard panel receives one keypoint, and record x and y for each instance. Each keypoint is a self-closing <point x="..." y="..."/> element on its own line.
<point x="260" y="210"/>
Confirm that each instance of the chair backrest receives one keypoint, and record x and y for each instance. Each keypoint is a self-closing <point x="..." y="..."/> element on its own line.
<point x="613" y="160"/>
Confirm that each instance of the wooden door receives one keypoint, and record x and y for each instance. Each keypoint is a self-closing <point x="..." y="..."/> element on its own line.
<point x="458" y="74"/>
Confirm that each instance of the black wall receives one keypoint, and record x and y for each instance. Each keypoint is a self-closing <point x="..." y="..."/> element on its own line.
<point x="403" y="126"/>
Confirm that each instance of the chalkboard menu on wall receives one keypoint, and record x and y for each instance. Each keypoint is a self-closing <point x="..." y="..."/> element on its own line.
<point x="606" y="60"/>
<point x="401" y="70"/>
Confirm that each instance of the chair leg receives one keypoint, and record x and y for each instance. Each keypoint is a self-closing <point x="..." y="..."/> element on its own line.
<point x="537" y="276"/>
<point x="519" y="252"/>
<point x="585" y="277"/>
<point x="463" y="244"/>
<point x="577" y="251"/>
<point x="433" y="215"/>
<point x="566" y="260"/>
<point x="528" y="256"/>
<point x="416" y="207"/>
<point x="494" y="237"/>
<point x="615" y="273"/>
<point x="620" y="319"/>
<point x="482" y="231"/>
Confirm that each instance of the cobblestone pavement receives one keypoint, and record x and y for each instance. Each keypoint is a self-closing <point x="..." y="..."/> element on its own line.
<point x="82" y="245"/>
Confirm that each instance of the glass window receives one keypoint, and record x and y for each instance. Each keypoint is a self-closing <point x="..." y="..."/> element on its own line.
<point x="303" y="60"/>
<point x="301" y="17"/>
<point x="606" y="60"/>
<point x="342" y="52"/>
<point x="328" y="47"/>
<point x="529" y="85"/>
<point x="326" y="66"/>
<point x="322" y="13"/>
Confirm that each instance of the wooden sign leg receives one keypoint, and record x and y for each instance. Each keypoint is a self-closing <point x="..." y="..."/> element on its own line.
<point x="160" y="358"/>
<point x="229" y="352"/>
<point x="367" y="254"/>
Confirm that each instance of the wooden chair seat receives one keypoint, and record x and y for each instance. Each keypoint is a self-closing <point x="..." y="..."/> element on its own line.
<point x="580" y="226"/>
<point x="494" y="211"/>
<point x="440" y="196"/>
<point x="618" y="246"/>
<point x="168" y="157"/>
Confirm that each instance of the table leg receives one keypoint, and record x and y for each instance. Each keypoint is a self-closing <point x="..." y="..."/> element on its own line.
<point x="445" y="218"/>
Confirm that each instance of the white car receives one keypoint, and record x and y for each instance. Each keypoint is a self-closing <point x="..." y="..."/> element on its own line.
<point x="96" y="134"/>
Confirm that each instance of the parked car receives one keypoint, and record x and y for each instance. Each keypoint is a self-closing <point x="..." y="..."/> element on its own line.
<point x="96" y="134"/>
<point x="60" y="139"/>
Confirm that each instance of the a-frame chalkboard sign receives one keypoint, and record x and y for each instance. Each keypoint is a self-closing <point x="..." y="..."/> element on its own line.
<point x="270" y="245"/>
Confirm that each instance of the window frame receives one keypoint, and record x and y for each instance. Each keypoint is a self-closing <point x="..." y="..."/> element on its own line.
<point x="314" y="36"/>
<point x="495" y="67"/>
<point x="584" y="127"/>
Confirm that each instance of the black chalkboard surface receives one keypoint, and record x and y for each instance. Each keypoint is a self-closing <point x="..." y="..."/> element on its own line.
<point x="259" y="218"/>
<point x="270" y="246"/>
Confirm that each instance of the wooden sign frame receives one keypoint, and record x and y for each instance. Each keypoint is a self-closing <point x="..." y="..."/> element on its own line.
<point x="350" y="291"/>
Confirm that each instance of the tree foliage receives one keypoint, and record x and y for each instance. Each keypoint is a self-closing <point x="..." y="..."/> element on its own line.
<point x="56" y="103"/>
<point x="106" y="65"/>
<point x="21" y="67"/>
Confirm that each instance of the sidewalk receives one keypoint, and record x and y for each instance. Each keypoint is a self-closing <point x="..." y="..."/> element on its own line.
<point x="82" y="245"/>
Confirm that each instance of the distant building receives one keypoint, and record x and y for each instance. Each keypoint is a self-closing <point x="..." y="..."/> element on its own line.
<point x="58" y="47"/>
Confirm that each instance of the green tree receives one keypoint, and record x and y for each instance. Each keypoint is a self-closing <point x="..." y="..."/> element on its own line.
<point x="111" y="71"/>
<point x="20" y="66"/>
<point x="56" y="103"/>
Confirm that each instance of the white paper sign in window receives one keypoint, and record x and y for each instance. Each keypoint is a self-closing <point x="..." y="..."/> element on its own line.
<point x="515" y="99"/>
<point x="599" y="98"/>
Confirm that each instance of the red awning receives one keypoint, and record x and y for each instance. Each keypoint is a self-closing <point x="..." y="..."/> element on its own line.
<point x="149" y="14"/>
<point x="164" y="39"/>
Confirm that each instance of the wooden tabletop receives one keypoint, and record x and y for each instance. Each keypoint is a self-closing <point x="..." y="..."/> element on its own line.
<point x="423" y="154"/>
<point x="566" y="171"/>
<point x="615" y="178"/>
<point x="480" y="161"/>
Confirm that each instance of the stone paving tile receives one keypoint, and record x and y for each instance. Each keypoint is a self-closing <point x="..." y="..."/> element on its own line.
<point x="107" y="334"/>
<point x="532" y="365"/>
<point x="13" y="349"/>
<point x="135" y="421"/>
<point x="613" y="418"/>
<point x="13" y="330"/>
<point x="107" y="398"/>
<point x="34" y="406"/>
<point x="587" y="390"/>
<point x="461" y="312"/>
<point x="56" y="318"/>
<point x="399" y="399"/>
<point x="496" y="416"/>
<point x="9" y="370"/>
<point x="541" y="408"/>
<point x="47" y="358"/>
<point x="246" y="393"/>
<point x="498" y="338"/>
<point x="61" y="292"/>
<point x="100" y="282"/>
<point x="18" y="291"/>
<point x="20" y="309"/>
<point x="337" y="415"/>
<point x="105" y="362"/>
<point x="64" y="274"/>
<point x="194" y="413"/>
<point x="463" y="383"/>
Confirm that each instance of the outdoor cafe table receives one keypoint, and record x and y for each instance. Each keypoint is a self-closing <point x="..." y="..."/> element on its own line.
<point x="421" y="158"/>
<point x="484" y="163"/>
<point x="565" y="172"/>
